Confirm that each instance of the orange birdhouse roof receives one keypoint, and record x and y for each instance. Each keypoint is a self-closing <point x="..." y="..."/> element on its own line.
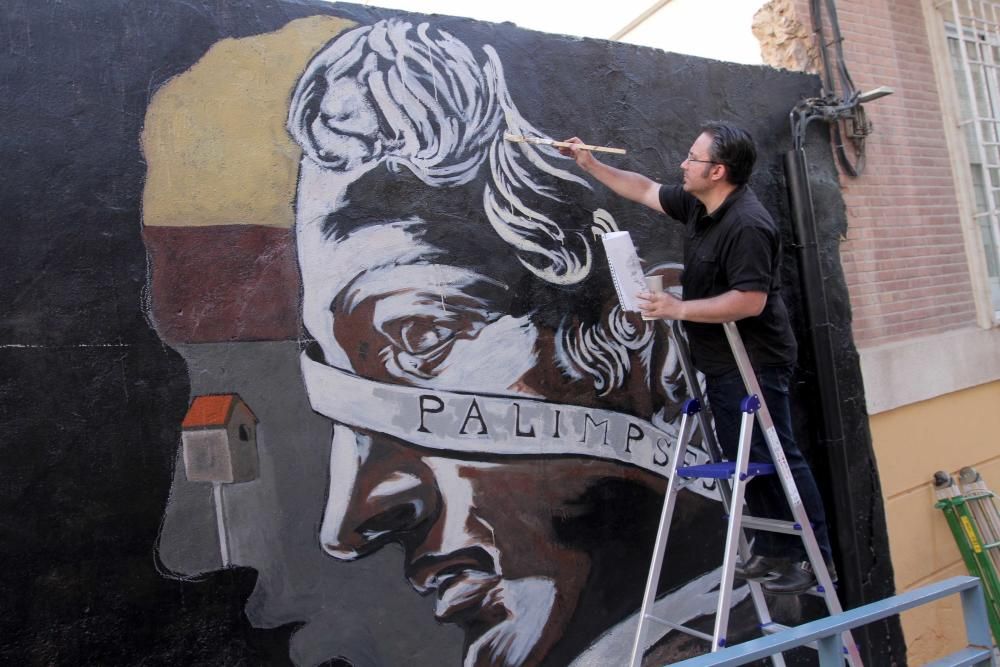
<point x="212" y="410"/>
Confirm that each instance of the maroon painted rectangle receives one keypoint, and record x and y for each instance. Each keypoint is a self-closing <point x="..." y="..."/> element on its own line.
<point x="223" y="283"/>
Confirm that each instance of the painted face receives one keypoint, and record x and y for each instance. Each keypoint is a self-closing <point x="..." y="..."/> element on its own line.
<point x="514" y="550"/>
<point x="491" y="543"/>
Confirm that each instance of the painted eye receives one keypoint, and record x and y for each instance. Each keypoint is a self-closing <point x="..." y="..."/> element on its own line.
<point x="422" y="344"/>
<point x="420" y="336"/>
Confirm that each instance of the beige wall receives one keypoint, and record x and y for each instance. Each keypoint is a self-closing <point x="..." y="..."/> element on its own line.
<point x="911" y="443"/>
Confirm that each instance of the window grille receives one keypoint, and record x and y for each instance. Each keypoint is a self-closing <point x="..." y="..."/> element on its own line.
<point x="973" y="32"/>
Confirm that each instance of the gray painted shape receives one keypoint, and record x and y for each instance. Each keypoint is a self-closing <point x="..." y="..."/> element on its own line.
<point x="273" y="524"/>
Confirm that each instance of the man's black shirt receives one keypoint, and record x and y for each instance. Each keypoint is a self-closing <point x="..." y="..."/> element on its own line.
<point x="736" y="247"/>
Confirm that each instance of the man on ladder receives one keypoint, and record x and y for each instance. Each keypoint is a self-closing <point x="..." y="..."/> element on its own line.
<point x="732" y="261"/>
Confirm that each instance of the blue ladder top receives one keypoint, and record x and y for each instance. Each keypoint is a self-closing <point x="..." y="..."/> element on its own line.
<point x="724" y="470"/>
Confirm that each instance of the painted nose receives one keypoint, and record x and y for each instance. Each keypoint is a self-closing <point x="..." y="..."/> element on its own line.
<point x="380" y="491"/>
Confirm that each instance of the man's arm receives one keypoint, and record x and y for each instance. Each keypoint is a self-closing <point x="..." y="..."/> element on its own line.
<point x="726" y="307"/>
<point x="628" y="184"/>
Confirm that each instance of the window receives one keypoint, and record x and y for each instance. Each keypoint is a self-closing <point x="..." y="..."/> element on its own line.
<point x="973" y="32"/>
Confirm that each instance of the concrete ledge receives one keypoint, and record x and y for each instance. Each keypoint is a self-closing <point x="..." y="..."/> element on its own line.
<point x="897" y="374"/>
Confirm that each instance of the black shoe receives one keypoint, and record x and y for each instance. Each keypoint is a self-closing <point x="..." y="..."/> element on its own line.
<point x="832" y="571"/>
<point x="794" y="579"/>
<point x="760" y="568"/>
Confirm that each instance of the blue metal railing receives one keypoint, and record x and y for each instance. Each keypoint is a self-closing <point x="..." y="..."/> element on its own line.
<point x="826" y="632"/>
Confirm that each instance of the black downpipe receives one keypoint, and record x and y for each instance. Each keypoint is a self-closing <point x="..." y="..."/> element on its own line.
<point x="850" y="567"/>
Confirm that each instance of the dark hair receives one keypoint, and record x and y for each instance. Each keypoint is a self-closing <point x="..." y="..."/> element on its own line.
<point x="733" y="147"/>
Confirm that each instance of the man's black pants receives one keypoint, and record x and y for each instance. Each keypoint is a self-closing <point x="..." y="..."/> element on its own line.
<point x="764" y="495"/>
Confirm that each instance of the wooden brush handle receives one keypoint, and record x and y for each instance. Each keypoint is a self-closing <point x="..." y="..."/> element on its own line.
<point x="562" y="144"/>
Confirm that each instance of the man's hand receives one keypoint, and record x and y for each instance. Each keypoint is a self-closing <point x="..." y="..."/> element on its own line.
<point x="661" y="305"/>
<point x="628" y="184"/>
<point x="727" y="307"/>
<point x="584" y="159"/>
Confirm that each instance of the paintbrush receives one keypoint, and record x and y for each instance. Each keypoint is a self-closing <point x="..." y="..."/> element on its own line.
<point x="560" y="144"/>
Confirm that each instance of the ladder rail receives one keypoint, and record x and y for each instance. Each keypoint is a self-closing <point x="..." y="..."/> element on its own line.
<point x="733" y="531"/>
<point x="788" y="485"/>
<point x="782" y="469"/>
<point x="666" y="515"/>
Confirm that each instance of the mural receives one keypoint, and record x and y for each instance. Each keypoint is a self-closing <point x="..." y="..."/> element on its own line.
<point x="392" y="413"/>
<point x="494" y="412"/>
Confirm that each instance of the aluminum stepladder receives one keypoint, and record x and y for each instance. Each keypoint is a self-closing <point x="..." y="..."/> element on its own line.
<point x="740" y="471"/>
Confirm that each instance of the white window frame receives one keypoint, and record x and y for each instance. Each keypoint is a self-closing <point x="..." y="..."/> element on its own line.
<point x="974" y="26"/>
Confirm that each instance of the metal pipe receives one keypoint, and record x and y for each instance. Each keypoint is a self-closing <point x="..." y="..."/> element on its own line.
<point x="832" y="438"/>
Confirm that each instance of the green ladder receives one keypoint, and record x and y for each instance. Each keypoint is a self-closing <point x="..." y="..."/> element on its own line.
<point x="972" y="516"/>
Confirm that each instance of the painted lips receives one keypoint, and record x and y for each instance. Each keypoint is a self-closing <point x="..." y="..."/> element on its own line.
<point x="463" y="594"/>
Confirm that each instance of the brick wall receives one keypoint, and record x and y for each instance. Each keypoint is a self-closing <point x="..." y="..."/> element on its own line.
<point x="904" y="258"/>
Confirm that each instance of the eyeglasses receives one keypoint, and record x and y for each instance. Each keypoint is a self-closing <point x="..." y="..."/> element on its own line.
<point x="691" y="158"/>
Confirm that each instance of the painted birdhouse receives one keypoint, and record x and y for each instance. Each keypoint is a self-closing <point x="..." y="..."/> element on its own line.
<point x="219" y="436"/>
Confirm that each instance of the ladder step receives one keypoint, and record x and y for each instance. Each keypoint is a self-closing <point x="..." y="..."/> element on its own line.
<point x="724" y="470"/>
<point x="815" y="591"/>
<point x="682" y="628"/>
<point x="772" y="525"/>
